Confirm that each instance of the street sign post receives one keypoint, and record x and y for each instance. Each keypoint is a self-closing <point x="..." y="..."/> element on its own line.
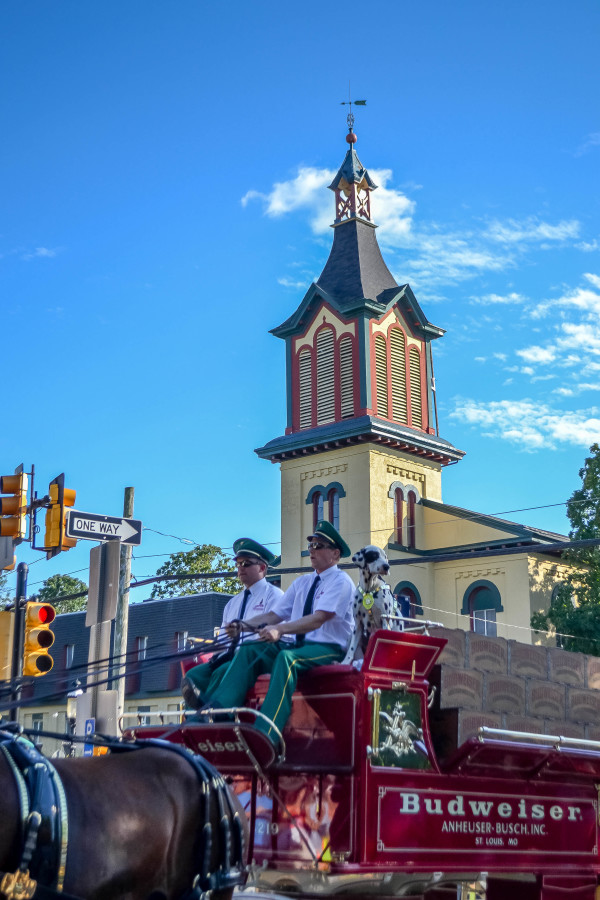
<point x="92" y="527"/>
<point x="90" y="727"/>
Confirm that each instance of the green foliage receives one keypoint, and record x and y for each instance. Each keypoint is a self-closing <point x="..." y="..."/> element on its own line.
<point x="59" y="586"/>
<point x="575" y="607"/>
<point x="5" y="596"/>
<point x="203" y="558"/>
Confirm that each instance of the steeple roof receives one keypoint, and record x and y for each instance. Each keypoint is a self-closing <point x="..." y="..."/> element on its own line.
<point x="351" y="171"/>
<point x="355" y="268"/>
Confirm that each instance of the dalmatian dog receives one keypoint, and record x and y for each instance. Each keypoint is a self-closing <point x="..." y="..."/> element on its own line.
<point x="373" y="601"/>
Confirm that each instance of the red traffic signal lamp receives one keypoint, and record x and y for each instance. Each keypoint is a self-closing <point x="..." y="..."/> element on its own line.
<point x="13" y="505"/>
<point x="60" y="498"/>
<point x="38" y="638"/>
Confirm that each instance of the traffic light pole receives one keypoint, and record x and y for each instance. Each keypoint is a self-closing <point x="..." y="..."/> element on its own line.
<point x="17" y="648"/>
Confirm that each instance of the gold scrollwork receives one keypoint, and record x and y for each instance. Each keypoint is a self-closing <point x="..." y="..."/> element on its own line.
<point x="18" y="885"/>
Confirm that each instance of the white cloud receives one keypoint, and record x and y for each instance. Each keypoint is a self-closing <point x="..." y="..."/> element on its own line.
<point x="588" y="246"/>
<point x="40" y="253"/>
<point x="581" y="298"/>
<point x="593" y="279"/>
<point x="306" y="191"/>
<point x="537" y="354"/>
<point x="532" y="230"/>
<point x="439" y="255"/>
<point x="592" y="141"/>
<point x="288" y="282"/>
<point x="492" y="299"/>
<point x="529" y="424"/>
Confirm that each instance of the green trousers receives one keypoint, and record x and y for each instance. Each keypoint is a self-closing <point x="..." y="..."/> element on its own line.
<point x="285" y="662"/>
<point x="207" y="679"/>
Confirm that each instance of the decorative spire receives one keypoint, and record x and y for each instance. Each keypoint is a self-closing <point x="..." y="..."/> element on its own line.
<point x="352" y="184"/>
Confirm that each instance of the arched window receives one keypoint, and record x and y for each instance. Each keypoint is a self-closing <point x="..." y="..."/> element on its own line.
<point x="398" y="513"/>
<point x="398" y="361"/>
<point x="411" y="525"/>
<point x="317" y="505"/>
<point x="333" y="500"/>
<point x="346" y="379"/>
<point x="415" y="388"/>
<point x="319" y="495"/>
<point x="305" y="387"/>
<point x="325" y="377"/>
<point x="409" y="599"/>
<point x="381" y="375"/>
<point x="481" y="602"/>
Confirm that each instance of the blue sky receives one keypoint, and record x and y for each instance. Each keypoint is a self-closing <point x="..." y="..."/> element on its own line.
<point x="163" y="205"/>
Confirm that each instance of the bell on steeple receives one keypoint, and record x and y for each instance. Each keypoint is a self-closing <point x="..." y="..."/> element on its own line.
<point x="352" y="186"/>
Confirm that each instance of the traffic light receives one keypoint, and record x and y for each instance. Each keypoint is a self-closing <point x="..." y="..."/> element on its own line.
<point x="60" y="498"/>
<point x="7" y="620"/>
<point x="13" y="506"/>
<point x="38" y="638"/>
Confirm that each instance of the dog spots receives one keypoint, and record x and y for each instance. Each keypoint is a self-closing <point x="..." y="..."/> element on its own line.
<point x="371" y="555"/>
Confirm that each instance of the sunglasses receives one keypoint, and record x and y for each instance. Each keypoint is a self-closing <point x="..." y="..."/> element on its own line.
<point x="244" y="563"/>
<point x="315" y="545"/>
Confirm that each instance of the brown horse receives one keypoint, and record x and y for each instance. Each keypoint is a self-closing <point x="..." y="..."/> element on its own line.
<point x="135" y="824"/>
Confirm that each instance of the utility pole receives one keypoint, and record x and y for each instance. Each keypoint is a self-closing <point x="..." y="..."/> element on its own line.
<point x="122" y="617"/>
<point x="17" y="647"/>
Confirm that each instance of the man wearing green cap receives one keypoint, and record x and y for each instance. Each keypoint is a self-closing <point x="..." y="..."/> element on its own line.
<point x="310" y="625"/>
<point x="250" y="606"/>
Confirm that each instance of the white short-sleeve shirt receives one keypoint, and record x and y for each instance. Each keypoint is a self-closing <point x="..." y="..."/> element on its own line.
<point x="262" y="596"/>
<point x="335" y="593"/>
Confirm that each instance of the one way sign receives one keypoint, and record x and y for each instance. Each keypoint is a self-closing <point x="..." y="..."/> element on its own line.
<point x="92" y="527"/>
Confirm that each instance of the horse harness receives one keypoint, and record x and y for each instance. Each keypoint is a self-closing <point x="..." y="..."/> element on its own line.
<point x="44" y="824"/>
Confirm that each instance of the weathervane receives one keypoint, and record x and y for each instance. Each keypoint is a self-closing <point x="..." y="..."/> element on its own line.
<point x="349" y="102"/>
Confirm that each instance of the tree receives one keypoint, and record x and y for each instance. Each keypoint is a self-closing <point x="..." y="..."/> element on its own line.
<point x="575" y="607"/>
<point x="60" y="586"/>
<point x="203" y="558"/>
<point x="5" y="596"/>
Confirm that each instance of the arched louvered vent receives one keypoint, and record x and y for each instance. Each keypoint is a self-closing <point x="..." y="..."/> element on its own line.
<point x="398" y="360"/>
<point x="381" y="376"/>
<point x="415" y="388"/>
<point x="305" y="385"/>
<point x="346" y="380"/>
<point x="325" y="377"/>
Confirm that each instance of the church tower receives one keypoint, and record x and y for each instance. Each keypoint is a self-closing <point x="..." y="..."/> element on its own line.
<point x="361" y="447"/>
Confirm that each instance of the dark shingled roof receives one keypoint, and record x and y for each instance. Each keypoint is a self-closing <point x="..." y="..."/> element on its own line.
<point x="352" y="171"/>
<point x="355" y="268"/>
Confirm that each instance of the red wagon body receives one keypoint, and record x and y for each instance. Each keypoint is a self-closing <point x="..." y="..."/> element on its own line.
<point x="361" y="804"/>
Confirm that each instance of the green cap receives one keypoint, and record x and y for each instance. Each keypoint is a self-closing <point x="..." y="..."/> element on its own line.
<point x="248" y="547"/>
<point x="328" y="533"/>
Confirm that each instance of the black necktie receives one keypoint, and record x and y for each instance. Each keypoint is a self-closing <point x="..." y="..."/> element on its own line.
<point x="308" y="607"/>
<point x="244" y="602"/>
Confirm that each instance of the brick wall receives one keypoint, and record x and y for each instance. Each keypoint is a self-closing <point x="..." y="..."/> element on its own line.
<point x="504" y="684"/>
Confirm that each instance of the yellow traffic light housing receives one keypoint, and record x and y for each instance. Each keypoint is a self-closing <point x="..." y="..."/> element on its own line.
<point x="60" y="497"/>
<point x="13" y="506"/>
<point x="38" y="638"/>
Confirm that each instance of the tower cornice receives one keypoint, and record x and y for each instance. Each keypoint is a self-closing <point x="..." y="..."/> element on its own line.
<point x="364" y="429"/>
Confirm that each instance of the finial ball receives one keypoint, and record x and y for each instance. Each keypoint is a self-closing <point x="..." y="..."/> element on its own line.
<point x="351" y="137"/>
